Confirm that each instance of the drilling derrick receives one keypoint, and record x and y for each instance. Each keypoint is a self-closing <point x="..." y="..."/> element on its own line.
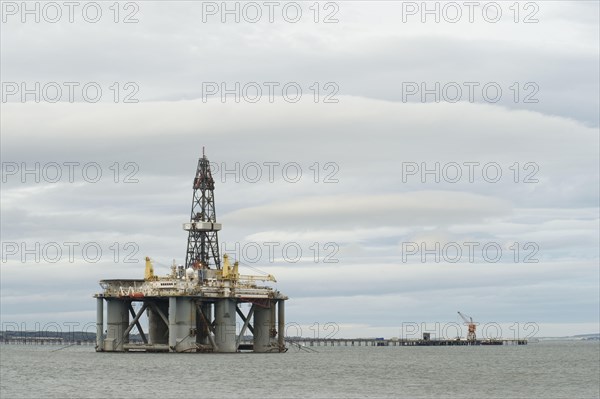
<point x="203" y="243"/>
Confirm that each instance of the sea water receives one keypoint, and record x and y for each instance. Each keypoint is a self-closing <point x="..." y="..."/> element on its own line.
<point x="566" y="369"/>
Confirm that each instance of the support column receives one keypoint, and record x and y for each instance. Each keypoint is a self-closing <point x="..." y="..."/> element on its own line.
<point x="281" y="326"/>
<point x="117" y="320"/>
<point x="185" y="321"/>
<point x="172" y="323"/>
<point x="225" y="315"/>
<point x="99" y="324"/>
<point x="262" y="328"/>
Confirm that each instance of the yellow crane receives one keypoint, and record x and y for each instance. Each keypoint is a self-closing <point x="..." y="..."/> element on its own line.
<point x="471" y="325"/>
<point x="149" y="273"/>
<point x="232" y="273"/>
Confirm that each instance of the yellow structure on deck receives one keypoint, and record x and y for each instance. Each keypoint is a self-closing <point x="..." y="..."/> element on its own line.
<point x="227" y="272"/>
<point x="149" y="273"/>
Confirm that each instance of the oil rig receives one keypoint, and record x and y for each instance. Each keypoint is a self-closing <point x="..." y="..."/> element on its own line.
<point x="195" y="307"/>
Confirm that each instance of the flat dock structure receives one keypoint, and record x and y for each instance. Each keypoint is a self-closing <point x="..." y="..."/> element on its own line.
<point x="402" y="342"/>
<point x="27" y="340"/>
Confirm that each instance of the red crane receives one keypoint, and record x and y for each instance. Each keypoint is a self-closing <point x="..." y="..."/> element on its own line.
<point x="469" y="322"/>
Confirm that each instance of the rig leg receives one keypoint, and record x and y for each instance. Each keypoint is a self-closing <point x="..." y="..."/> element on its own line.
<point x="185" y="325"/>
<point x="225" y="325"/>
<point x="117" y="320"/>
<point x="172" y="324"/>
<point x="99" y="324"/>
<point x="262" y="328"/>
<point x="281" y="325"/>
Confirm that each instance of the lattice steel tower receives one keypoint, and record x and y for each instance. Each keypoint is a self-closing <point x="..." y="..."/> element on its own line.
<point x="203" y="243"/>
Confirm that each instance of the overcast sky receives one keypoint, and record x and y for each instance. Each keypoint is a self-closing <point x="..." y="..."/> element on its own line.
<point x="506" y="108"/>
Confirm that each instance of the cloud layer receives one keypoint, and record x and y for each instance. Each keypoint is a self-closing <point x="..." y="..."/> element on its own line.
<point x="350" y="183"/>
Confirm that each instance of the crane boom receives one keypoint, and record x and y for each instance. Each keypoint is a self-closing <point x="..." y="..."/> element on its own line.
<point x="467" y="320"/>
